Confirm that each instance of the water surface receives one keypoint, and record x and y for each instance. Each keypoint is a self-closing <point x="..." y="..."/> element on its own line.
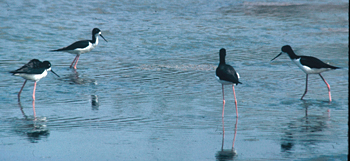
<point x="149" y="93"/>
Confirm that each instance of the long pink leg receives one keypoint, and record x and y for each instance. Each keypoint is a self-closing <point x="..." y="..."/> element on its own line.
<point x="76" y="62"/>
<point x="34" y="99"/>
<point x="234" y="138"/>
<point x="234" y="94"/>
<point x="20" y="91"/>
<point x="34" y="91"/>
<point x="223" y="100"/>
<point x="305" y="87"/>
<point x="73" y="61"/>
<point x="329" y="88"/>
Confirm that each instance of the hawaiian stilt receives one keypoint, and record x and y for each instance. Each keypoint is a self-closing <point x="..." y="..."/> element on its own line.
<point x="82" y="46"/>
<point x="310" y="65"/>
<point x="33" y="70"/>
<point x="226" y="75"/>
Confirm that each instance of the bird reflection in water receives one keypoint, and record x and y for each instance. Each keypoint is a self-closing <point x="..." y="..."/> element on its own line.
<point x="76" y="79"/>
<point x="307" y="131"/>
<point x="21" y="108"/>
<point x="35" y="129"/>
<point x="306" y="105"/>
<point x="94" y="102"/>
<point x="227" y="154"/>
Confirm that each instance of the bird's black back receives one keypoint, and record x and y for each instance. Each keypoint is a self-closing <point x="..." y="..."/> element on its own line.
<point x="313" y="62"/>
<point x="227" y="73"/>
<point x="34" y="66"/>
<point x="77" y="44"/>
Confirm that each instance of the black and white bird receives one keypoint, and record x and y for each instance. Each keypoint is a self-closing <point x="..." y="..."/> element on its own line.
<point x="310" y="65"/>
<point x="226" y="75"/>
<point x="82" y="46"/>
<point x="34" y="70"/>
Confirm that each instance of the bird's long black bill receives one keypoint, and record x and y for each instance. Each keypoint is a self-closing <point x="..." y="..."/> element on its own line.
<point x="276" y="56"/>
<point x="55" y="73"/>
<point x="103" y="38"/>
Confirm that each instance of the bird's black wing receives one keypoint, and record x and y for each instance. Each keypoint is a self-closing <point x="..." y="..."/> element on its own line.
<point x="78" y="44"/>
<point x="32" y="67"/>
<point x="313" y="62"/>
<point x="227" y="73"/>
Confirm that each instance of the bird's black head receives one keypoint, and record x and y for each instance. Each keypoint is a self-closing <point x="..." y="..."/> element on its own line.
<point x="95" y="31"/>
<point x="222" y="55"/>
<point x="46" y="64"/>
<point x="222" y="52"/>
<point x="286" y="49"/>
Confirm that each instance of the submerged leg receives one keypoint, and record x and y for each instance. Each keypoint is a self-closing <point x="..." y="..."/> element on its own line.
<point x="329" y="88"/>
<point x="234" y="94"/>
<point x="20" y="91"/>
<point x="34" y="109"/>
<point x="234" y="138"/>
<point x="305" y="87"/>
<point x="223" y="134"/>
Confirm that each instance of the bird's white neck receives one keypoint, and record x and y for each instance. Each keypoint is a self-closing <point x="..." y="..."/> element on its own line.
<point x="96" y="42"/>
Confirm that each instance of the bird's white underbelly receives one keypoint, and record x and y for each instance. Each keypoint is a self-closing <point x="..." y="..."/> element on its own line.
<point x="223" y="81"/>
<point x="34" y="77"/>
<point x="309" y="70"/>
<point x="82" y="50"/>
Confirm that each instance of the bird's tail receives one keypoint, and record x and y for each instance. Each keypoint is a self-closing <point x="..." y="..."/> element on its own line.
<point x="334" y="67"/>
<point x="56" y="50"/>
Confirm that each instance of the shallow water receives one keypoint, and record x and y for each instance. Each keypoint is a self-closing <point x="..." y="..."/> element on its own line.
<point x="149" y="93"/>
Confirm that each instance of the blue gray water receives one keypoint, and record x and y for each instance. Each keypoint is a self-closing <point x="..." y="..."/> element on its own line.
<point x="149" y="93"/>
